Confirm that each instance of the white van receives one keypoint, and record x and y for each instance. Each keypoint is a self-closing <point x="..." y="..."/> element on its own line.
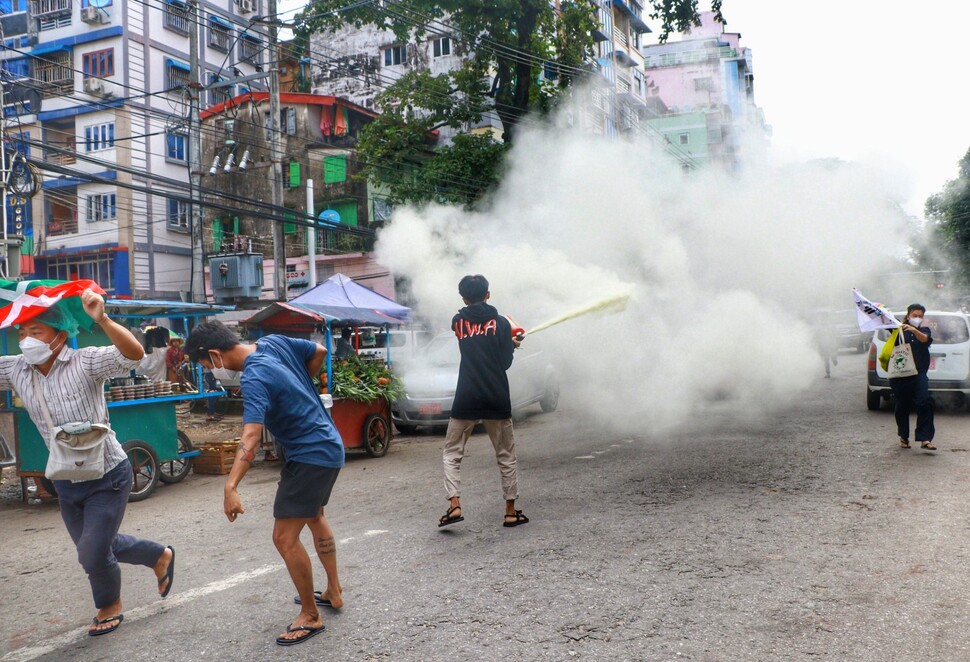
<point x="949" y="371"/>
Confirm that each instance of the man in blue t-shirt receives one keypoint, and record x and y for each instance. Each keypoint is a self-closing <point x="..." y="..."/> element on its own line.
<point x="278" y="394"/>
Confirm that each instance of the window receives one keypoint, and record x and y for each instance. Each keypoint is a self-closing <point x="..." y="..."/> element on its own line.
<point x="442" y="46"/>
<point x="11" y="6"/>
<point x="175" y="143"/>
<point x="291" y="178"/>
<point x="684" y="139"/>
<point x="54" y="72"/>
<point x="249" y="48"/>
<point x="638" y="83"/>
<point x="335" y="169"/>
<point x="395" y="55"/>
<point x="99" y="63"/>
<point x="98" y="267"/>
<point x="220" y="34"/>
<point x="178" y="214"/>
<point x="102" y="207"/>
<point x="176" y="74"/>
<point x="288" y="121"/>
<point x="176" y="16"/>
<point x="219" y="94"/>
<point x="95" y="3"/>
<point x="99" y="136"/>
<point x="17" y="68"/>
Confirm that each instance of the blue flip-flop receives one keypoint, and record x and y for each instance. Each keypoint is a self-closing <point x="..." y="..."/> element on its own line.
<point x="312" y="632"/>
<point x="111" y="619"/>
<point x="169" y="574"/>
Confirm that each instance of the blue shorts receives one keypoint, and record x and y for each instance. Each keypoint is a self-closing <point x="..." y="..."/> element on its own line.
<point x="303" y="490"/>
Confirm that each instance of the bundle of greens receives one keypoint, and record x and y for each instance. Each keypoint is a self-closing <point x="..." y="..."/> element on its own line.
<point x="364" y="380"/>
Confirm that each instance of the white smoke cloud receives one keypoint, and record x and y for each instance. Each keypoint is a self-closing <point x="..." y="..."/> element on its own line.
<point x="723" y="269"/>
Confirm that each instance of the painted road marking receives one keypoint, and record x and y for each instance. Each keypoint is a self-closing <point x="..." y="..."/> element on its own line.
<point x="53" y="644"/>
<point x="585" y="457"/>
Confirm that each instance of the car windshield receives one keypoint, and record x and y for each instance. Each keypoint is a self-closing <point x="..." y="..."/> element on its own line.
<point x="947" y="329"/>
<point x="442" y="351"/>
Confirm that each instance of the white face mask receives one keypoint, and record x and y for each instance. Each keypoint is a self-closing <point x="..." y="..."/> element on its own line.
<point x="36" y="351"/>
<point x="222" y="373"/>
<point x="915" y="321"/>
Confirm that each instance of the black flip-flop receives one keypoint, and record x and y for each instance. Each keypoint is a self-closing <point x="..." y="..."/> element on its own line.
<point x="519" y="519"/>
<point x="111" y="619"/>
<point x="448" y="519"/>
<point x="318" y="598"/>
<point x="304" y="628"/>
<point x="169" y="574"/>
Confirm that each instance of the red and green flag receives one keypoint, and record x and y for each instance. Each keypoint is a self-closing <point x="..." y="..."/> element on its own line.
<point x="26" y="299"/>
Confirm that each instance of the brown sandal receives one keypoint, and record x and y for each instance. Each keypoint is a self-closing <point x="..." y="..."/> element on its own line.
<point x="927" y="445"/>
<point x="903" y="443"/>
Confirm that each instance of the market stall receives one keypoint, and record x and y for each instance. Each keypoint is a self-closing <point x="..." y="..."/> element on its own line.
<point x="141" y="412"/>
<point x="361" y="389"/>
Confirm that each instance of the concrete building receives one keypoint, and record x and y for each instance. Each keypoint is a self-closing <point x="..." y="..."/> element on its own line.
<point x="705" y="84"/>
<point x="319" y="134"/>
<point x="357" y="64"/>
<point x="97" y="90"/>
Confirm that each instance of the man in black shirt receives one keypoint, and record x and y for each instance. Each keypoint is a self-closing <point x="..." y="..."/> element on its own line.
<point x="486" y="344"/>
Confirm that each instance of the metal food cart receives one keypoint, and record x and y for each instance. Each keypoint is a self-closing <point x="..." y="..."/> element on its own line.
<point x="340" y="301"/>
<point x="145" y="426"/>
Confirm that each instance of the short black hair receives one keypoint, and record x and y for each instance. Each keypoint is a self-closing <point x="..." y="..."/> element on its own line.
<point x="474" y="288"/>
<point x="206" y="336"/>
<point x="915" y="306"/>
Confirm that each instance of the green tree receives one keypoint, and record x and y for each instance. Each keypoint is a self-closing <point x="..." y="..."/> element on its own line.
<point x="948" y="214"/>
<point x="519" y="57"/>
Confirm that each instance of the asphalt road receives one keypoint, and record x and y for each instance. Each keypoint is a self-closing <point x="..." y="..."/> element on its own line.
<point x="809" y="535"/>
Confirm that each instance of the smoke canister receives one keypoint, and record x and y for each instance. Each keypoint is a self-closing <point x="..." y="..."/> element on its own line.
<point x="517" y="331"/>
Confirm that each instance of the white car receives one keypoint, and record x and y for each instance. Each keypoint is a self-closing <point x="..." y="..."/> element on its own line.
<point x="949" y="371"/>
<point x="430" y="382"/>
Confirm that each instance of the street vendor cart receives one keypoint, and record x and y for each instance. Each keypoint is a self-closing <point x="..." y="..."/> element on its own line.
<point x="141" y="414"/>
<point x="362" y="415"/>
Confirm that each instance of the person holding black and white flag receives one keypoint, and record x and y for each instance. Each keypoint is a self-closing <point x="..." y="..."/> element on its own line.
<point x="915" y="390"/>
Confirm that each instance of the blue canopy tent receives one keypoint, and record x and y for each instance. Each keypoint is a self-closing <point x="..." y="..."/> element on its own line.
<point x="339" y="300"/>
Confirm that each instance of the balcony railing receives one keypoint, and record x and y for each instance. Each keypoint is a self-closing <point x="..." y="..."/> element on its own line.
<point x="61" y="158"/>
<point x="59" y="225"/>
<point x="50" y="8"/>
<point x="689" y="57"/>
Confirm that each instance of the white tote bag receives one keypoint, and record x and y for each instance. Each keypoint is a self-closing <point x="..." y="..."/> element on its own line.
<point x="901" y="361"/>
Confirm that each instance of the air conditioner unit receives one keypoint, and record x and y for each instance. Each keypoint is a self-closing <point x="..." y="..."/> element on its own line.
<point x="246" y="6"/>
<point x="92" y="15"/>
<point x="97" y="87"/>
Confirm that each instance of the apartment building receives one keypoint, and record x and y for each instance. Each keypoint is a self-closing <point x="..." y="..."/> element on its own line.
<point x="704" y="85"/>
<point x="96" y="90"/>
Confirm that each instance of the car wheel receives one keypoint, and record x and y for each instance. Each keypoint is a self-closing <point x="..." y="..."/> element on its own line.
<point x="873" y="400"/>
<point x="550" y="401"/>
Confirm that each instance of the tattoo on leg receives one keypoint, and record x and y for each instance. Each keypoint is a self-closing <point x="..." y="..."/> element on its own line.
<point x="326" y="545"/>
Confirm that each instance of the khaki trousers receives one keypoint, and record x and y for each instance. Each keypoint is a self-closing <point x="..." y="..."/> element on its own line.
<point x="500" y="432"/>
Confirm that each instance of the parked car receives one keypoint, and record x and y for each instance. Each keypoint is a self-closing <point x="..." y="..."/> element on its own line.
<point x="849" y="335"/>
<point x="949" y="373"/>
<point x="431" y="380"/>
<point x="405" y="344"/>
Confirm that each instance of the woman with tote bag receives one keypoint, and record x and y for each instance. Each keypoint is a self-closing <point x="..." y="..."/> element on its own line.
<point x="915" y="389"/>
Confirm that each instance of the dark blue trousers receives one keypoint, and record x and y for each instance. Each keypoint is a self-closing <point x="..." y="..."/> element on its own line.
<point x="92" y="511"/>
<point x="907" y="393"/>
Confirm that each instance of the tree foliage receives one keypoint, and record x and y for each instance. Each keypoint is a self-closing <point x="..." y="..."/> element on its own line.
<point x="948" y="213"/>
<point x="519" y="55"/>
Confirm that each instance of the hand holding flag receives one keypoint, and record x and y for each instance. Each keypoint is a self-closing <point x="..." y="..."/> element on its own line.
<point x="25" y="300"/>
<point x="871" y="315"/>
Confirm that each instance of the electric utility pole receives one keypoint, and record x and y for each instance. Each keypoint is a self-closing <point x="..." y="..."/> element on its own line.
<point x="195" y="157"/>
<point x="276" y="155"/>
